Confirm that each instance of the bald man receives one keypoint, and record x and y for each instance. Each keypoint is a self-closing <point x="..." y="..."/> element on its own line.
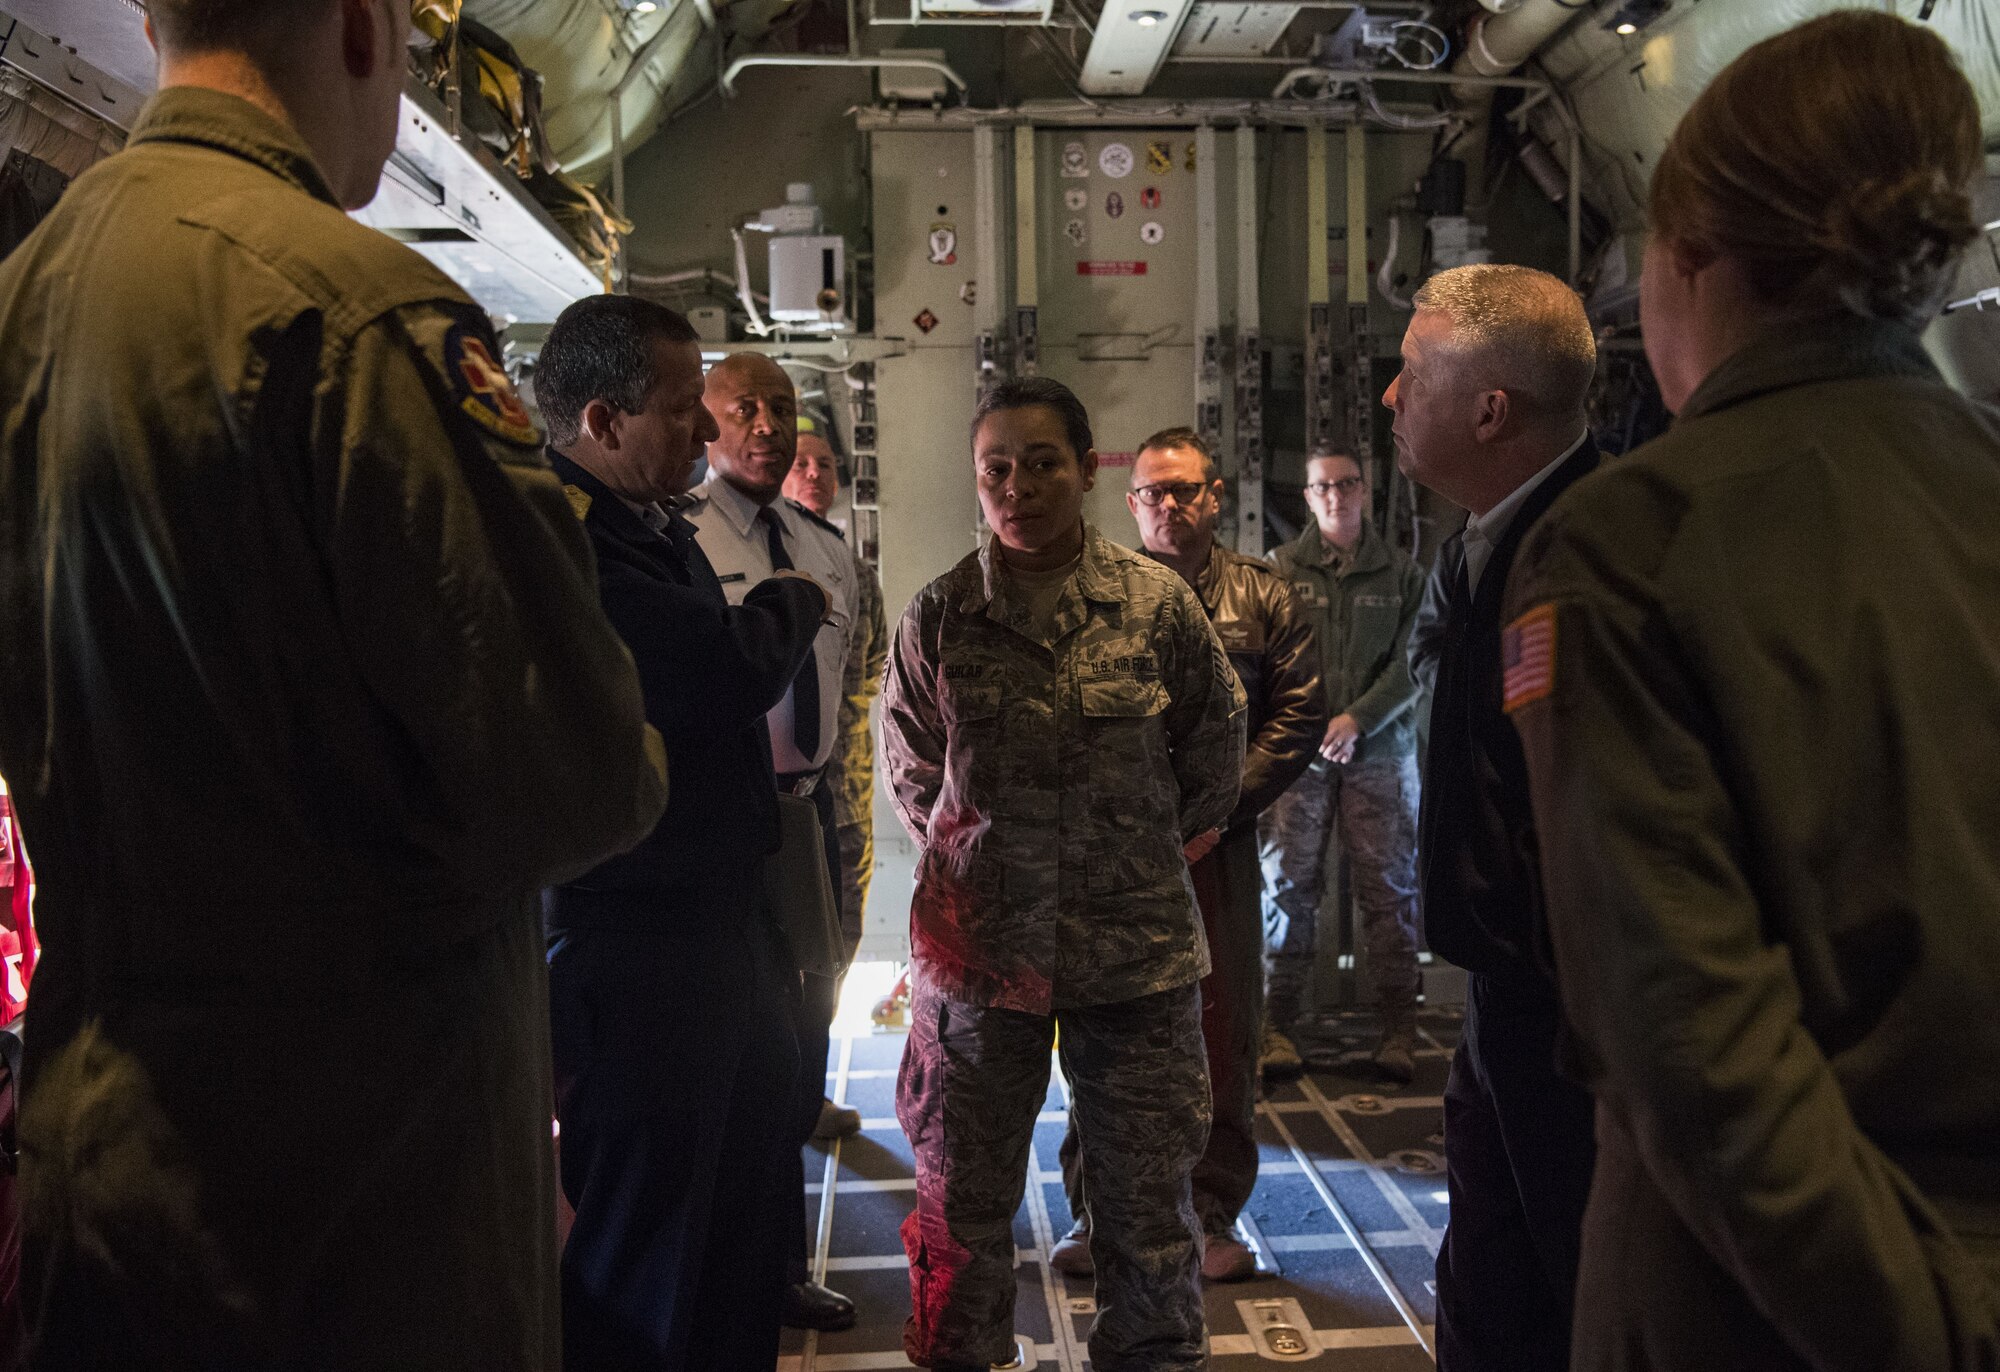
<point x="749" y="531"/>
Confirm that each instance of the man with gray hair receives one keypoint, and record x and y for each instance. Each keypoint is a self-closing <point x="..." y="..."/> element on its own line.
<point x="1490" y="414"/>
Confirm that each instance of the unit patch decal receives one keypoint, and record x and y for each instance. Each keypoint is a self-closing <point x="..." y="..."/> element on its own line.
<point x="1075" y="199"/>
<point x="1110" y="269"/>
<point x="926" y="321"/>
<point x="1160" y="157"/>
<point x="1115" y="161"/>
<point x="1150" y="232"/>
<point x="483" y="391"/>
<point x="1076" y="233"/>
<point x="1075" y="160"/>
<point x="1114" y="205"/>
<point x="1149" y="198"/>
<point x="943" y="246"/>
<point x="969" y="292"/>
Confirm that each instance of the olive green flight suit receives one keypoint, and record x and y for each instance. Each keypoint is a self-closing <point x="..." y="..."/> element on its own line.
<point x="305" y="693"/>
<point x="1755" y="667"/>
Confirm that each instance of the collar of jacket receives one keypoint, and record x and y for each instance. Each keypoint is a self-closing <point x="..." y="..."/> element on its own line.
<point x="1208" y="585"/>
<point x="1799" y="352"/>
<point x="740" y="510"/>
<point x="216" y="119"/>
<point x="1095" y="579"/>
<point x="1370" y="554"/>
<point x="605" y="505"/>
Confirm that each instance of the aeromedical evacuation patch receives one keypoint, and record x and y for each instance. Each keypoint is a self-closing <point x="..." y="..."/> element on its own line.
<point x="481" y="387"/>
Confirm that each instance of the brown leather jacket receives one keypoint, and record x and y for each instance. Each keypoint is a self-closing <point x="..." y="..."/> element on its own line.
<point x="1269" y="640"/>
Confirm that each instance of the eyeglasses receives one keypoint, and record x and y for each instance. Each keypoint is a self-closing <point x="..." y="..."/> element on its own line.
<point x="1184" y="492"/>
<point x="1347" y="485"/>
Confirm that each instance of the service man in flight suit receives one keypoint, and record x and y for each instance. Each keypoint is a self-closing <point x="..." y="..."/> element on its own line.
<point x="305" y="693"/>
<point x="749" y="531"/>
<point x="1060" y="720"/>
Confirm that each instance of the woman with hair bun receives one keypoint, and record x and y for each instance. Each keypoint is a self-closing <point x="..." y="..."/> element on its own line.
<point x="1756" y="669"/>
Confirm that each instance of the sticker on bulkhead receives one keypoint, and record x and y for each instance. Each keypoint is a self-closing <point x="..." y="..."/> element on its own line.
<point x="1150" y="232"/>
<point x="925" y="322"/>
<point x="1159" y="157"/>
<point x="1115" y="161"/>
<point x="1075" y="232"/>
<point x="1075" y="160"/>
<point x="1149" y="198"/>
<point x="943" y="245"/>
<point x="1114" y="205"/>
<point x="1076" y="199"/>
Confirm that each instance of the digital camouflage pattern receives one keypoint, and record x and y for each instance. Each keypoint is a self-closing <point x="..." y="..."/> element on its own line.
<point x="1374" y="805"/>
<point x="854" y="750"/>
<point x="1052" y="785"/>
<point x="972" y="1082"/>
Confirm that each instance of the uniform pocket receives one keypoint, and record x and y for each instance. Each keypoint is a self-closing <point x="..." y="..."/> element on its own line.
<point x="1117" y="698"/>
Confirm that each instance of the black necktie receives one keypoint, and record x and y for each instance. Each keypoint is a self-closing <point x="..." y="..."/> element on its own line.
<point x="805" y="686"/>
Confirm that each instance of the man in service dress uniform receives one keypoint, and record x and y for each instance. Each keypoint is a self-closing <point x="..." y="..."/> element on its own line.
<point x="306" y="693"/>
<point x="1060" y="720"/>
<point x="748" y="531"/>
<point x="667" y="985"/>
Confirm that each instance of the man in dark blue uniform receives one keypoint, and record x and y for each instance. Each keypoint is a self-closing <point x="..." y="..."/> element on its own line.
<point x="1489" y="413"/>
<point x="667" y="983"/>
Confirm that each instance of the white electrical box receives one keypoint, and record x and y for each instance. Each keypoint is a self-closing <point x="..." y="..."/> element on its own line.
<point x="808" y="281"/>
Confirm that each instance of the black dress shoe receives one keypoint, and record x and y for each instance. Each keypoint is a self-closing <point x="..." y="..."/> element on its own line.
<point x="808" y="1305"/>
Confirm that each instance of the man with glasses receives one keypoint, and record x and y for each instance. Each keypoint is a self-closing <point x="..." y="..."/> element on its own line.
<point x="1361" y="595"/>
<point x="1177" y="498"/>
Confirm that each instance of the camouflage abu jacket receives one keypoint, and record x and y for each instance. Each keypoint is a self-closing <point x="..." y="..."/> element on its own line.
<point x="1052" y="785"/>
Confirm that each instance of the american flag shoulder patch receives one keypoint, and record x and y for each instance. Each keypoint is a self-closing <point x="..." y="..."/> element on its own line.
<point x="1528" y="658"/>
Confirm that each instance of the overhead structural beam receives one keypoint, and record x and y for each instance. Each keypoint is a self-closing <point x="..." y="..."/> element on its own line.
<point x="727" y="82"/>
<point x="1131" y="42"/>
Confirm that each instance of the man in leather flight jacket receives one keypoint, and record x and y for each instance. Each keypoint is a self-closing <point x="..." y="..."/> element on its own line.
<point x="1177" y="498"/>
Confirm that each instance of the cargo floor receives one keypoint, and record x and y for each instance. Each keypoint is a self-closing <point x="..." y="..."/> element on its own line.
<point x="1348" y="1210"/>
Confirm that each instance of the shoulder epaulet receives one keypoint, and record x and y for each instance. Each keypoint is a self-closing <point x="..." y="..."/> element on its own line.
<point x="824" y="523"/>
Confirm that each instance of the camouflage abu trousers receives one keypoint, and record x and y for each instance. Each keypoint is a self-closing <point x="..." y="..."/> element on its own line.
<point x="1374" y="804"/>
<point x="1232" y="1020"/>
<point x="973" y="1080"/>
<point x="857" y="868"/>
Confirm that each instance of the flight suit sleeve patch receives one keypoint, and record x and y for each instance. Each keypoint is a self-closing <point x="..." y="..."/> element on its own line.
<point x="579" y="500"/>
<point x="1528" y="658"/>
<point x="480" y="386"/>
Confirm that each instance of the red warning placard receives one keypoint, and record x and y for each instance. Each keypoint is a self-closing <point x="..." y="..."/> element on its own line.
<point x="1111" y="269"/>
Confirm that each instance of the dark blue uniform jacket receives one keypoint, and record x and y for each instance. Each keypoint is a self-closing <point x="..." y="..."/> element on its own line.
<point x="1476" y="854"/>
<point x="710" y="672"/>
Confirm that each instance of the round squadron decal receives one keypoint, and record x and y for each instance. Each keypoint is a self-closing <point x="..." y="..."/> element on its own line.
<point x="1075" y="199"/>
<point x="943" y="245"/>
<point x="1115" y="161"/>
<point x="1075" y="160"/>
<point x="1076" y="233"/>
<point x="1150" y="232"/>
<point x="483" y="392"/>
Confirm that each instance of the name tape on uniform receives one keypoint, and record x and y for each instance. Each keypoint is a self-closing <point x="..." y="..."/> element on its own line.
<point x="1528" y="658"/>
